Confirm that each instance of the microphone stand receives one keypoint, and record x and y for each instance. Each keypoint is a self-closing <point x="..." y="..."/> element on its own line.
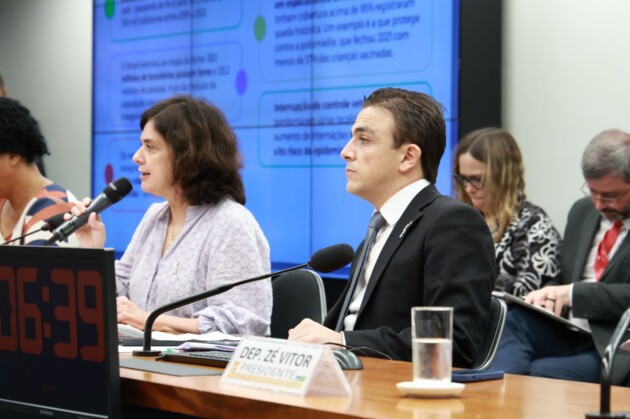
<point x="146" y="345"/>
<point x="49" y="225"/>
<point x="606" y="370"/>
<point x="25" y="235"/>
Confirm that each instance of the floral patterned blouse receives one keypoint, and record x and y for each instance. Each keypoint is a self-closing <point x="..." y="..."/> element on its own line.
<point x="528" y="253"/>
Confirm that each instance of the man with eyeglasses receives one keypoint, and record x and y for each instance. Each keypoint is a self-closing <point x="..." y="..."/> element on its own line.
<point x="594" y="287"/>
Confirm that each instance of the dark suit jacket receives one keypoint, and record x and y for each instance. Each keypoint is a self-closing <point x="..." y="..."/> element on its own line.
<point x="445" y="257"/>
<point x="603" y="302"/>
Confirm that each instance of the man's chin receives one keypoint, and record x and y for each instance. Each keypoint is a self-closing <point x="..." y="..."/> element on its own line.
<point x="615" y="215"/>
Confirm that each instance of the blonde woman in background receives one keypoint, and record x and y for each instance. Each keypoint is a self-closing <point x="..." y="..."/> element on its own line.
<point x="489" y="176"/>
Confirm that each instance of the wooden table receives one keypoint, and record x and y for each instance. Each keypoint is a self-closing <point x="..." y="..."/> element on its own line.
<point x="375" y="396"/>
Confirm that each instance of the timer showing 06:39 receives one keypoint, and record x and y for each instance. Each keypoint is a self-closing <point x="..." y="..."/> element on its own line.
<point x="58" y="311"/>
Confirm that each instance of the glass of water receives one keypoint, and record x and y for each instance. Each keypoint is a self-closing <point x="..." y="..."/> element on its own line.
<point x="432" y="345"/>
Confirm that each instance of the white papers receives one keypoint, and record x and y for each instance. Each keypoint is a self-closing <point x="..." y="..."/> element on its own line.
<point x="200" y="346"/>
<point x="126" y="331"/>
<point x="211" y="336"/>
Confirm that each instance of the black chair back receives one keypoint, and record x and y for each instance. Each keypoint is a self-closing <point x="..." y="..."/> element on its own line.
<point x="296" y="295"/>
<point x="498" y="312"/>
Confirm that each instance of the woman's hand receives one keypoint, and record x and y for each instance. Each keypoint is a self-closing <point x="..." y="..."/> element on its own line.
<point x="93" y="233"/>
<point x="129" y="313"/>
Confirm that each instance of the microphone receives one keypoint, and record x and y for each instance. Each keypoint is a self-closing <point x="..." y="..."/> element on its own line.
<point x="113" y="193"/>
<point x="49" y="225"/>
<point x="606" y="370"/>
<point x="324" y="260"/>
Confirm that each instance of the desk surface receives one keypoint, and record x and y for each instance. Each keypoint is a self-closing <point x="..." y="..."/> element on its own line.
<point x="375" y="396"/>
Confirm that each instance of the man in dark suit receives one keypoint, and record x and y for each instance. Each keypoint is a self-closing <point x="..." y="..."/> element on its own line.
<point x="430" y="251"/>
<point x="595" y="280"/>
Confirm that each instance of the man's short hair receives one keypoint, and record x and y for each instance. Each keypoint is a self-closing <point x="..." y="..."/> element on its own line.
<point x="419" y="120"/>
<point x="607" y="153"/>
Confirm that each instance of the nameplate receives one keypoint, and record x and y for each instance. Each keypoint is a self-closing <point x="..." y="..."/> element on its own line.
<point x="290" y="367"/>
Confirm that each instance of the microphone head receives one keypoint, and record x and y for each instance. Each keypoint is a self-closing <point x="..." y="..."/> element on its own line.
<point x="53" y="222"/>
<point x="331" y="258"/>
<point x="118" y="189"/>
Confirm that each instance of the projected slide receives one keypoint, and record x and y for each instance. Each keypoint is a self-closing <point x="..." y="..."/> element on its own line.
<point x="289" y="75"/>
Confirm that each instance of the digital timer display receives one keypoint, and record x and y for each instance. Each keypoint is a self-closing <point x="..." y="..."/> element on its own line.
<point x="58" y="340"/>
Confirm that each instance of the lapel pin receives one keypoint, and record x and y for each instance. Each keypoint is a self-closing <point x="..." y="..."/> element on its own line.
<point x="409" y="224"/>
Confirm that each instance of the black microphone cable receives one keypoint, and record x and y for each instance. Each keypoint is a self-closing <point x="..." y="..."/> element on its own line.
<point x="49" y="225"/>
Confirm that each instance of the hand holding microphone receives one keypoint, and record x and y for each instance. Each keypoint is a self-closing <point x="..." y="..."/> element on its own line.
<point x="94" y="235"/>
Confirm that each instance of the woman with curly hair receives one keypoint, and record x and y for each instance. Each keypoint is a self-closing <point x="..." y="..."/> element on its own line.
<point x="27" y="198"/>
<point x="489" y="175"/>
<point x="200" y="238"/>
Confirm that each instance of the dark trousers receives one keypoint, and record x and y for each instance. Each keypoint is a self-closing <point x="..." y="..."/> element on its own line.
<point x="533" y="344"/>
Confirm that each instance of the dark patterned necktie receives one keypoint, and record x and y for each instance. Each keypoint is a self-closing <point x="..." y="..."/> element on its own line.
<point x="376" y="223"/>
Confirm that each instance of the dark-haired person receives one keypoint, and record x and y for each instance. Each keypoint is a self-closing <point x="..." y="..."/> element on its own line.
<point x="39" y="160"/>
<point x="489" y="176"/>
<point x="430" y="250"/>
<point x="200" y="238"/>
<point x="27" y="198"/>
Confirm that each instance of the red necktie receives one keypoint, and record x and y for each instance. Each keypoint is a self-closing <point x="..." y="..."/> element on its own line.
<point x="607" y="243"/>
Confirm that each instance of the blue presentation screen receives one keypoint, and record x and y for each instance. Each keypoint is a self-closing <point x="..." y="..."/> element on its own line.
<point x="290" y="77"/>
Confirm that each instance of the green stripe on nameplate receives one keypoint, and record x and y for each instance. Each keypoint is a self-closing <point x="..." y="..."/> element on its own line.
<point x="287" y="366"/>
<point x="165" y="368"/>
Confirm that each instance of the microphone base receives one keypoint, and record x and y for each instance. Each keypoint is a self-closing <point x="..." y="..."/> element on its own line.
<point x="147" y="353"/>
<point x="614" y="415"/>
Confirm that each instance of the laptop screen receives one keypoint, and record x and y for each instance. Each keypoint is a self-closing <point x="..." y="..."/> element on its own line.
<point x="58" y="341"/>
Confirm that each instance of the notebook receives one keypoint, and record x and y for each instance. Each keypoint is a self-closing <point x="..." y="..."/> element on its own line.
<point x="512" y="299"/>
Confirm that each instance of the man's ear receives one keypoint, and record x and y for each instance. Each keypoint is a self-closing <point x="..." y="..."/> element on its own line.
<point x="410" y="158"/>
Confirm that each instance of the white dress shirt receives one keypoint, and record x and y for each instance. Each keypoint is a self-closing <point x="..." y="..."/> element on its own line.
<point x="588" y="275"/>
<point x="392" y="210"/>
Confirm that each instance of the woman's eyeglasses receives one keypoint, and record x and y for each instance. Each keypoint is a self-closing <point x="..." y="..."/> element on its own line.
<point x="474" y="181"/>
